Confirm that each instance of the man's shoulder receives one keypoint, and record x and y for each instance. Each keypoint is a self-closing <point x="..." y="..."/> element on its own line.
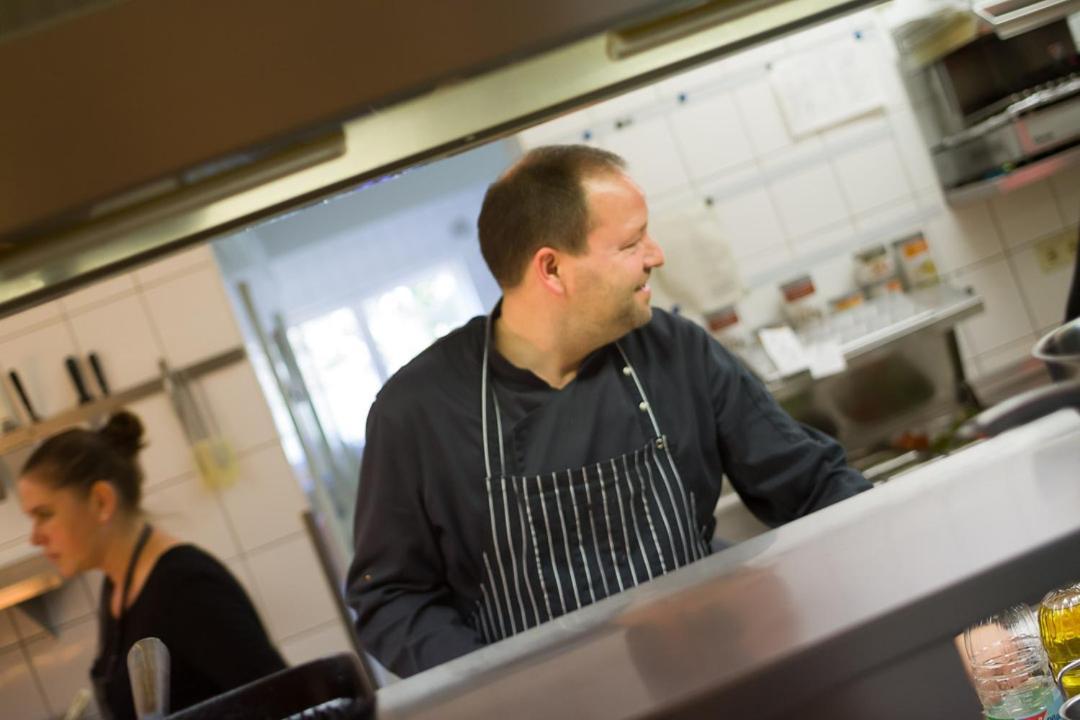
<point x="667" y="332"/>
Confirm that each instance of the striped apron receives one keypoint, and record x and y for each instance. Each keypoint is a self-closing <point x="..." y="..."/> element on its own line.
<point x="565" y="539"/>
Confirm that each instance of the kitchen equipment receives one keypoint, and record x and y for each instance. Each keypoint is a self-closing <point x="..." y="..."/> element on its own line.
<point x="336" y="686"/>
<point x="993" y="105"/>
<point x="17" y="383"/>
<point x="1061" y="348"/>
<point x="75" y="373"/>
<point x="148" y="668"/>
<point x="99" y="373"/>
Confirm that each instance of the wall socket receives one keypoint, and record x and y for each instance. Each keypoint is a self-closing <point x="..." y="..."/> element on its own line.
<point x="1057" y="250"/>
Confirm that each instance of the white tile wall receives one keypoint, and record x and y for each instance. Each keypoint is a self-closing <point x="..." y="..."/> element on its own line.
<point x="651" y="154"/>
<point x="98" y="292"/>
<point x="1005" y="319"/>
<point x="1026" y="213"/>
<point x="62" y="662"/>
<point x="19" y="691"/>
<point x="119" y="332"/>
<point x="759" y="110"/>
<point x="808" y="200"/>
<point x="292" y="586"/>
<point x="710" y="135"/>
<point x="750" y="222"/>
<point x="176" y="307"/>
<point x="38" y="356"/>
<point x="1044" y="291"/>
<point x="1066" y="185"/>
<point x="191" y="314"/>
<point x="266" y="503"/>
<point x="872" y="176"/>
<point x="189" y="510"/>
<point x="166" y="455"/>
<point x="238" y="405"/>
<point x="962" y="236"/>
<point x="34" y="317"/>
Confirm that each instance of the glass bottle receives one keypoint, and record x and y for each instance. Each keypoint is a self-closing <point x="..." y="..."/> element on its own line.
<point x="1059" y="625"/>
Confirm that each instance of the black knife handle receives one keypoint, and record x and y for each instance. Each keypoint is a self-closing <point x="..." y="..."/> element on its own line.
<point x="95" y="365"/>
<point x="23" y="396"/>
<point x="77" y="378"/>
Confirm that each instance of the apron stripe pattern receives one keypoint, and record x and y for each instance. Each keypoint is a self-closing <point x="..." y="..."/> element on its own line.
<point x="579" y="535"/>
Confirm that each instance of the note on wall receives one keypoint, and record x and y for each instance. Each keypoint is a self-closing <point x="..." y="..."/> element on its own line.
<point x="828" y="84"/>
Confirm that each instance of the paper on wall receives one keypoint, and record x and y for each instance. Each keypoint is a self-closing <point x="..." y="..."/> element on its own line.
<point x="699" y="271"/>
<point x="827" y="85"/>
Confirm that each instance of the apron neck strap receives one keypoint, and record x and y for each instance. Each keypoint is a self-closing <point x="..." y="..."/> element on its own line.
<point x="144" y="535"/>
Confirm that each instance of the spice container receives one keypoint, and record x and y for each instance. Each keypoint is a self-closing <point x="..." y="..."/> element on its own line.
<point x="847" y="301"/>
<point x="802" y="305"/>
<point x="725" y="326"/>
<point x="916" y="265"/>
<point x="874" y="265"/>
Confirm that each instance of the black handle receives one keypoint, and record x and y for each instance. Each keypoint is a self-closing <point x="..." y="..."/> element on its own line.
<point x="95" y="365"/>
<point x="77" y="378"/>
<point x="22" y="396"/>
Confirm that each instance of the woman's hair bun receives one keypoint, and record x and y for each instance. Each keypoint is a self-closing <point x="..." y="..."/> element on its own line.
<point x="124" y="432"/>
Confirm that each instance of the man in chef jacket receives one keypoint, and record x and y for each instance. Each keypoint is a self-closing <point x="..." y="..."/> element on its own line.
<point x="567" y="446"/>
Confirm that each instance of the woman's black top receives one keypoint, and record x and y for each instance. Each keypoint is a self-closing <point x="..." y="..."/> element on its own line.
<point x="196" y="607"/>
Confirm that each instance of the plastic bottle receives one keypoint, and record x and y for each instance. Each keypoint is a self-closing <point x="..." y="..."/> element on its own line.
<point x="1009" y="667"/>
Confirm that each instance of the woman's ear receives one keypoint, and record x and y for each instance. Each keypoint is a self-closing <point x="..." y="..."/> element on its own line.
<point x="104" y="501"/>
<point x="547" y="266"/>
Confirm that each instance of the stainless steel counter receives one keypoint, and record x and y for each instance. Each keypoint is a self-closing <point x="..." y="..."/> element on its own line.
<point x="848" y="613"/>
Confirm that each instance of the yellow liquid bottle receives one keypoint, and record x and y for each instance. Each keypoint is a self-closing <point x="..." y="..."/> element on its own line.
<point x="1059" y="625"/>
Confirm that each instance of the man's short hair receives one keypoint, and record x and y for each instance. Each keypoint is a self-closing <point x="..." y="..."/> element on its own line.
<point x="540" y="201"/>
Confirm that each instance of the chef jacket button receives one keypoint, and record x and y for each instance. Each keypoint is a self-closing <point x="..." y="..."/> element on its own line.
<point x="643" y="406"/>
<point x="626" y="371"/>
<point x="659" y="443"/>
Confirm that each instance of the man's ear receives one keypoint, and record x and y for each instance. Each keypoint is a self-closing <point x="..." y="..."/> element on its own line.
<point x="546" y="266"/>
<point x="104" y="500"/>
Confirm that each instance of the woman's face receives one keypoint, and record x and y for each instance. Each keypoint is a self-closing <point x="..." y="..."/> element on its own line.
<point x="65" y="525"/>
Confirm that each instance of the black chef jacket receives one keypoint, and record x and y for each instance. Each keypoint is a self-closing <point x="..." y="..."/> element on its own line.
<point x="421" y="521"/>
<point x="193" y="604"/>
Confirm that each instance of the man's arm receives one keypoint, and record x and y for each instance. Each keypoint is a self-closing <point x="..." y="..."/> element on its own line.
<point x="396" y="583"/>
<point x="781" y="469"/>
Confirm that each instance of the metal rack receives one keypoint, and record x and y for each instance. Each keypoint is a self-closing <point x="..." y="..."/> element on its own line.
<point x="91" y="411"/>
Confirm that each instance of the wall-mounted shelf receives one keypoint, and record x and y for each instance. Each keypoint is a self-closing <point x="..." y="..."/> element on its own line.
<point x="1014" y="179"/>
<point x="30" y="434"/>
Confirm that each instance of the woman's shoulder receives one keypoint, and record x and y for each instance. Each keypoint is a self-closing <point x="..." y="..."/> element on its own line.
<point x="184" y="565"/>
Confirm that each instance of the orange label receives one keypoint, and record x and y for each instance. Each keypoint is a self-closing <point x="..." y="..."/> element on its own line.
<point x="914" y="247"/>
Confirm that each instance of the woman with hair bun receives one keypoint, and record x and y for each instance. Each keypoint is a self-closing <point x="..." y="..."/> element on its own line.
<point x="81" y="489"/>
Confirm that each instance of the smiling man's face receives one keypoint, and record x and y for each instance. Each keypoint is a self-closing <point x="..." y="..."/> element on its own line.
<point x="608" y="283"/>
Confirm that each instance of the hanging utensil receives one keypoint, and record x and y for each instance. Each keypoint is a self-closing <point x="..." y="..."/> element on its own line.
<point x="75" y="372"/>
<point x="214" y="456"/>
<point x="17" y="383"/>
<point x="99" y="373"/>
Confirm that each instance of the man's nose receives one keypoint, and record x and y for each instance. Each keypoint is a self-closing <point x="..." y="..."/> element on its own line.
<point x="654" y="255"/>
<point x="37" y="537"/>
